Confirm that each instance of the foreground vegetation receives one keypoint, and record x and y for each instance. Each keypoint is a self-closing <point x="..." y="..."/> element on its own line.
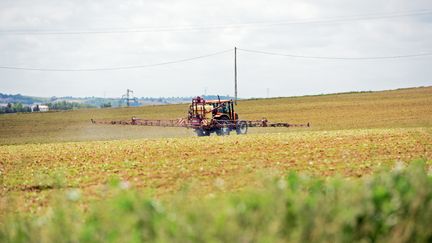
<point x="389" y="207"/>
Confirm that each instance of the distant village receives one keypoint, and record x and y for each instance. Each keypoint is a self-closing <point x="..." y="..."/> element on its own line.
<point x="18" y="107"/>
<point x="20" y="103"/>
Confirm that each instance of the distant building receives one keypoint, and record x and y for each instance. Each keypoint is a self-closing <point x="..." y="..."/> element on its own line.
<point x="41" y="108"/>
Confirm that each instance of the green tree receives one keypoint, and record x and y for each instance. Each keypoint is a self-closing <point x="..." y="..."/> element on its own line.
<point x="106" y="105"/>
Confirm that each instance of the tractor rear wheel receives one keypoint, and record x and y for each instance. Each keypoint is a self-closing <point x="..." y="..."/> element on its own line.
<point x="241" y="127"/>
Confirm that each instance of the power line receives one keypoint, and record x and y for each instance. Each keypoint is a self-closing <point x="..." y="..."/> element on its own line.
<point x="337" y="58"/>
<point x="210" y="55"/>
<point x="113" y="68"/>
<point x="331" y="20"/>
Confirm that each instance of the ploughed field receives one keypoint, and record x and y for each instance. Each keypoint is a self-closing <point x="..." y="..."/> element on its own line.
<point x="352" y="136"/>
<point x="34" y="171"/>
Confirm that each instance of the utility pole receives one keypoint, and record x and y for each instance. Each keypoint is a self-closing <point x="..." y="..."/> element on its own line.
<point x="127" y="97"/>
<point x="235" y="75"/>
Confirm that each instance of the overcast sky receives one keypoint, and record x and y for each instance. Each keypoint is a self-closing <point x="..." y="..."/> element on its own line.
<point x="181" y="29"/>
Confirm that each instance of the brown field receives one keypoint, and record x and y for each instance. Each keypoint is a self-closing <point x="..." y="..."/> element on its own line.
<point x="352" y="135"/>
<point x="386" y="109"/>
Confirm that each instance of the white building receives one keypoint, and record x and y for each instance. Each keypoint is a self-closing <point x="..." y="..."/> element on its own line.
<point x="42" y="108"/>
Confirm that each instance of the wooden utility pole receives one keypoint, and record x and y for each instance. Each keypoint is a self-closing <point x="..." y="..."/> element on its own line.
<point x="235" y="75"/>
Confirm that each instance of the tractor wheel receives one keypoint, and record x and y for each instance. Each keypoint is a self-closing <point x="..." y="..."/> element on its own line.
<point x="241" y="127"/>
<point x="224" y="130"/>
<point x="201" y="132"/>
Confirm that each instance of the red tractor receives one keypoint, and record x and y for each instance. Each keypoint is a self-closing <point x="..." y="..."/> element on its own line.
<point x="208" y="116"/>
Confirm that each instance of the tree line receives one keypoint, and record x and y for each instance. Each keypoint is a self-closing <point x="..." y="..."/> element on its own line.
<point x="13" y="108"/>
<point x="55" y="106"/>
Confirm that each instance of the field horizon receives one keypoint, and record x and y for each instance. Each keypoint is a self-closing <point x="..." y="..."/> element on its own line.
<point x="408" y="107"/>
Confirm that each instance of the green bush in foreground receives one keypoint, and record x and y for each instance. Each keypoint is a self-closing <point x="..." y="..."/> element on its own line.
<point x="394" y="206"/>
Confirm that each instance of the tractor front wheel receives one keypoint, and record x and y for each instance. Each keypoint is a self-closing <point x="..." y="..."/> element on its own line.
<point x="223" y="129"/>
<point x="201" y="132"/>
<point x="241" y="127"/>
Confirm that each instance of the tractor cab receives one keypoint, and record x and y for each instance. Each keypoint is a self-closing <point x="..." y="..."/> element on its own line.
<point x="203" y="112"/>
<point x="223" y="109"/>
